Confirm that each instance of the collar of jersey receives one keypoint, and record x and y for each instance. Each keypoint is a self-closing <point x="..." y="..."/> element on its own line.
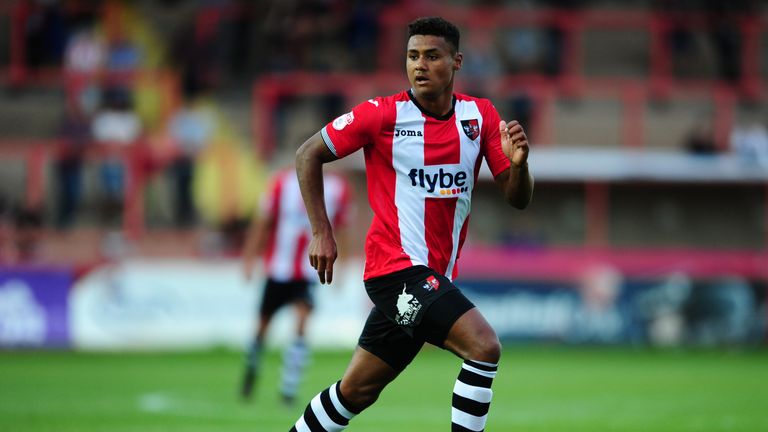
<point x="448" y="115"/>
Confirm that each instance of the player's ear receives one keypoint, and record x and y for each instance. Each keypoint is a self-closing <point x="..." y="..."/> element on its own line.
<point x="457" y="61"/>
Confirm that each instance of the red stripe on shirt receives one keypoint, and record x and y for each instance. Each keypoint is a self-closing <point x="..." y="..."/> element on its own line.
<point x="439" y="214"/>
<point x="300" y="257"/>
<point x="462" y="237"/>
<point x="441" y="142"/>
<point x="271" y="214"/>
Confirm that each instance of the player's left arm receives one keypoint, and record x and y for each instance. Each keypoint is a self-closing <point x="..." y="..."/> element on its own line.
<point x="516" y="181"/>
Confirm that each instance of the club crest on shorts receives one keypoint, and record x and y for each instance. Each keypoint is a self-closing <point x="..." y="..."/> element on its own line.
<point x="407" y="308"/>
<point x="471" y="128"/>
<point x="431" y="284"/>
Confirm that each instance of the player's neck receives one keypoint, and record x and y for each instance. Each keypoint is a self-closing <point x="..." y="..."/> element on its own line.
<point x="438" y="107"/>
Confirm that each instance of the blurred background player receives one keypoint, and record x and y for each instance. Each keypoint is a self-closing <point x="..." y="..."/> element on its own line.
<point x="280" y="233"/>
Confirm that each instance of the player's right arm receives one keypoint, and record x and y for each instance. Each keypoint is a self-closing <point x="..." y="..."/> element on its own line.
<point x="310" y="158"/>
<point x="346" y="134"/>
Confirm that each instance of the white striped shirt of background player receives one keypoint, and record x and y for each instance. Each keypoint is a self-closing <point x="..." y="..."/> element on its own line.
<point x="286" y="255"/>
<point x="420" y="193"/>
<point x="421" y="171"/>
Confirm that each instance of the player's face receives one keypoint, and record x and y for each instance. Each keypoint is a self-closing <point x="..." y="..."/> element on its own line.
<point x="431" y="65"/>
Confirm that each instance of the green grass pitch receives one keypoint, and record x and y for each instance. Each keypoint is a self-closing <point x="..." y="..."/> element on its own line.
<point x="538" y="389"/>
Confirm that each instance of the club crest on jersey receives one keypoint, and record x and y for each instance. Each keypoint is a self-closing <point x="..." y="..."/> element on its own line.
<point x="471" y="128"/>
<point x="407" y="308"/>
<point x="431" y="284"/>
<point x="343" y="120"/>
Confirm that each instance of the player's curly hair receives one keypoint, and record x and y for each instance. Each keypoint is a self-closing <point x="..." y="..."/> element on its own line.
<point x="435" y="26"/>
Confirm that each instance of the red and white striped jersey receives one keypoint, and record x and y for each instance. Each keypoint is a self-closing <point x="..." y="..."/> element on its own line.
<point x="421" y="171"/>
<point x="286" y="254"/>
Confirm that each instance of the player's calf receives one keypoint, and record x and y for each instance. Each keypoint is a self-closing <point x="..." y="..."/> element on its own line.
<point x="329" y="411"/>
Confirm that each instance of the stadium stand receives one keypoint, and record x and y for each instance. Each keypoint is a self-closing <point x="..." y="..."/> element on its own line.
<point x="608" y="101"/>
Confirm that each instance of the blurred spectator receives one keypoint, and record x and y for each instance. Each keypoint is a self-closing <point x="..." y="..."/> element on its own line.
<point x="682" y="48"/>
<point x="191" y="129"/>
<point x="362" y="33"/>
<point x="85" y="51"/>
<point x="115" y="126"/>
<point x="554" y="37"/>
<point x="726" y="38"/>
<point x="202" y="46"/>
<point x="520" y="49"/>
<point x="725" y="34"/>
<point x="28" y="233"/>
<point x="84" y="58"/>
<point x="122" y="54"/>
<point x="44" y="32"/>
<point x="75" y="139"/>
<point x="481" y="65"/>
<point x="20" y="233"/>
<point x="520" y="108"/>
<point x="749" y="141"/>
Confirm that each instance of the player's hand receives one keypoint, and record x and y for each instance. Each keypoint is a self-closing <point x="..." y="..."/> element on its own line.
<point x="514" y="142"/>
<point x="322" y="255"/>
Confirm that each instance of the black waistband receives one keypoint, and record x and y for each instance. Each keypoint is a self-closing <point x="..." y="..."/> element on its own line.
<point x="400" y="276"/>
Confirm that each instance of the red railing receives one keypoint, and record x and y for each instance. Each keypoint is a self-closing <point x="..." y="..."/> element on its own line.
<point x="632" y="94"/>
<point x="37" y="155"/>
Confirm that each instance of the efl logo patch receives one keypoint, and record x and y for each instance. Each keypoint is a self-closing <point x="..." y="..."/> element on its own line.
<point x="431" y="284"/>
<point x="343" y="120"/>
<point x="471" y="128"/>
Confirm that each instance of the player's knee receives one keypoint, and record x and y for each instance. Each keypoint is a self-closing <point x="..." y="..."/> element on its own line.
<point x="487" y="349"/>
<point x="360" y="397"/>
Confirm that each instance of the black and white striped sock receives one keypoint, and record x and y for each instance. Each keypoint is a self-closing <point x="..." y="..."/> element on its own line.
<point x="327" y="412"/>
<point x="472" y="396"/>
<point x="295" y="359"/>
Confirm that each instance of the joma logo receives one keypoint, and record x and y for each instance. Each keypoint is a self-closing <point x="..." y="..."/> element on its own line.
<point x="407" y="132"/>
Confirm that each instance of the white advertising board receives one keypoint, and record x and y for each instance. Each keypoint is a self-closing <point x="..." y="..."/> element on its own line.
<point x="188" y="304"/>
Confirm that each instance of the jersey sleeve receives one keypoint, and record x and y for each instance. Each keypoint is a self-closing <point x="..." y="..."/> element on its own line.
<point x="491" y="142"/>
<point x="351" y="131"/>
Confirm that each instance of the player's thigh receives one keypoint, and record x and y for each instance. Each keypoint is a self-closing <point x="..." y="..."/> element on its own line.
<point x="471" y="337"/>
<point x="442" y="314"/>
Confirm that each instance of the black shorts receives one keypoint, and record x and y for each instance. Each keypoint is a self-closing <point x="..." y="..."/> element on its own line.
<point x="278" y="294"/>
<point x="411" y="306"/>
